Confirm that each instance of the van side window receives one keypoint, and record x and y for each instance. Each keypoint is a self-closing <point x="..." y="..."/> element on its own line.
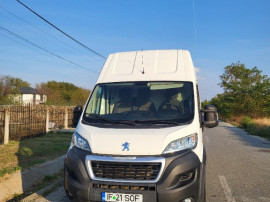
<point x="95" y="101"/>
<point x="199" y="103"/>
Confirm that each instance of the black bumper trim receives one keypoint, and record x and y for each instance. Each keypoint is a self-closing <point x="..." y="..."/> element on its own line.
<point x="170" y="187"/>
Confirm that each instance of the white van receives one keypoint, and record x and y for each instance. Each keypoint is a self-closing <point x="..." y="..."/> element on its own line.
<point x="139" y="138"/>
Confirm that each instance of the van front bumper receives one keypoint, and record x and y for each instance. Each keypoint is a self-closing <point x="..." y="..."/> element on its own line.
<point x="182" y="178"/>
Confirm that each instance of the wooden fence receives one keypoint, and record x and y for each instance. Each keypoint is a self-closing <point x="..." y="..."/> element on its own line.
<point x="17" y="122"/>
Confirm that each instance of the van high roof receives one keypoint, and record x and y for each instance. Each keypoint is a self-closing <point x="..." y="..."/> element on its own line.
<point x="151" y="65"/>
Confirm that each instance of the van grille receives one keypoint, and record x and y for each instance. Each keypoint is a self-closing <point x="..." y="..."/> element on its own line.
<point x="125" y="170"/>
<point x="124" y="187"/>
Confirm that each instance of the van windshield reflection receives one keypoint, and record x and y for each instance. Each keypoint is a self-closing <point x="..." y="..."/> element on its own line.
<point x="134" y="103"/>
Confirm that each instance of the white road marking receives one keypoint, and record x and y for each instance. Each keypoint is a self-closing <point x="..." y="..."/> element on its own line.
<point x="206" y="139"/>
<point x="264" y="199"/>
<point x="245" y="199"/>
<point x="226" y="189"/>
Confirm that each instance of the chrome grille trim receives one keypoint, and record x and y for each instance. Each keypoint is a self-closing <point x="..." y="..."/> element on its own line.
<point x="127" y="159"/>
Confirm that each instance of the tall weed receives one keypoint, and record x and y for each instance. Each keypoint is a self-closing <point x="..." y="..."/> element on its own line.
<point x="253" y="128"/>
<point x="246" y="122"/>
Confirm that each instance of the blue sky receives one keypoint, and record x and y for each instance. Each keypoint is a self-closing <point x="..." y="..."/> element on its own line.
<point x="226" y="32"/>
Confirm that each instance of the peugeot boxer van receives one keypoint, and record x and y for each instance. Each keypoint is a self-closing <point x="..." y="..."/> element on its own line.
<point x="139" y="138"/>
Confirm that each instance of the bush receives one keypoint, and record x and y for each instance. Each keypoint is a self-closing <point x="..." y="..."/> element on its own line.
<point x="25" y="151"/>
<point x="246" y="122"/>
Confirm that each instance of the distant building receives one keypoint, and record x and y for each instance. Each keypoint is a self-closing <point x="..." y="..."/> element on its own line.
<point x="31" y="95"/>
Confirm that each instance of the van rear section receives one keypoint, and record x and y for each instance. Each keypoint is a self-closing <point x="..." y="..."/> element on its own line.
<point x="139" y="137"/>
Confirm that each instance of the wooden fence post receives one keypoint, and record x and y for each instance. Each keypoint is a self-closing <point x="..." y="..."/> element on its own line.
<point x="66" y="119"/>
<point x="47" y="120"/>
<point x="6" y="126"/>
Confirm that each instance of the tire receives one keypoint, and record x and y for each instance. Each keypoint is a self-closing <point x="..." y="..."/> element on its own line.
<point x="69" y="195"/>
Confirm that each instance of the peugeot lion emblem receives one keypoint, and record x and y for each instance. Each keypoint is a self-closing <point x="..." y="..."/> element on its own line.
<point x="125" y="146"/>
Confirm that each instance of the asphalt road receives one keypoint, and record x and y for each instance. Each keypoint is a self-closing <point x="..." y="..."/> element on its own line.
<point x="238" y="167"/>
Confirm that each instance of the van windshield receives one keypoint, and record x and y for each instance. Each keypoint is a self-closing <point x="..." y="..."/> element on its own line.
<point x="141" y="103"/>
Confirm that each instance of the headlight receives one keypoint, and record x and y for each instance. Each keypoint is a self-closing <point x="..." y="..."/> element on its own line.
<point x="189" y="142"/>
<point x="80" y="142"/>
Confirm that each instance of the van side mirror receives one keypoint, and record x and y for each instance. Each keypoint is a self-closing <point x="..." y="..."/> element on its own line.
<point x="77" y="111"/>
<point x="210" y="116"/>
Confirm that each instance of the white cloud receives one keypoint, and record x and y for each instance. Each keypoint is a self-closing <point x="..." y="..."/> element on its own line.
<point x="197" y="70"/>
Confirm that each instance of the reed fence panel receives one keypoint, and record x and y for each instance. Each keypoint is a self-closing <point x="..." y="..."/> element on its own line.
<point x="70" y="116"/>
<point x="2" y="122"/>
<point x="30" y="120"/>
<point x="25" y="121"/>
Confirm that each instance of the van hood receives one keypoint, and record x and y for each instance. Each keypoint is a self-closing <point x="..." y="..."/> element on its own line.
<point x="132" y="141"/>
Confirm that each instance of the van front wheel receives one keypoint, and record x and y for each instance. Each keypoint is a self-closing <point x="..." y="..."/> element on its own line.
<point x="202" y="197"/>
<point x="68" y="194"/>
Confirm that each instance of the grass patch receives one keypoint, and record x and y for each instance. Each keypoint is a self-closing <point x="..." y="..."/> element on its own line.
<point x="19" y="155"/>
<point x="262" y="121"/>
<point x="254" y="128"/>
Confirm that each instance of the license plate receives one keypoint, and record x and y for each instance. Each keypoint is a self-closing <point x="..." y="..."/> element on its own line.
<point x="120" y="197"/>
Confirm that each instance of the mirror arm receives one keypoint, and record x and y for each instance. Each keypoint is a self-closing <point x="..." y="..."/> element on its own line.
<point x="206" y="110"/>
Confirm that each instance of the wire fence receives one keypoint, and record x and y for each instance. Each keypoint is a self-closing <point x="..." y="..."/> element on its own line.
<point x="30" y="120"/>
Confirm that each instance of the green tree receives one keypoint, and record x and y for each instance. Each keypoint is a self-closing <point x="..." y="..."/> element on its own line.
<point x="9" y="88"/>
<point x="63" y="93"/>
<point x="246" y="91"/>
<point x="80" y="96"/>
<point x="205" y="102"/>
<point x="225" y="105"/>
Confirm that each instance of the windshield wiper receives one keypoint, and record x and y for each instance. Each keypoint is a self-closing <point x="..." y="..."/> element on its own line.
<point x="131" y="122"/>
<point x="109" y="120"/>
<point x="154" y="121"/>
